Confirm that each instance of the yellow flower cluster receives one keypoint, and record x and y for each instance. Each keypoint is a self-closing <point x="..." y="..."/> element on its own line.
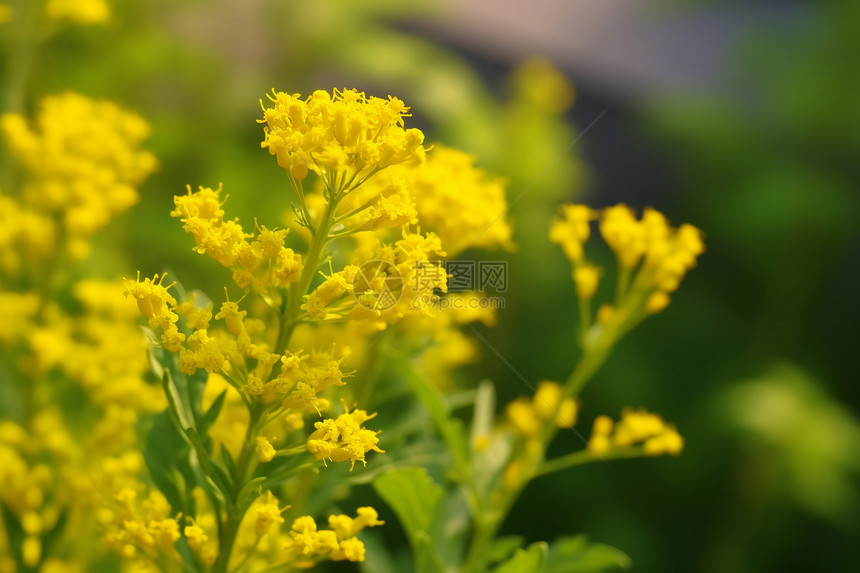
<point x="84" y="161"/>
<point x="666" y="253"/>
<point x="25" y="234"/>
<point x="663" y="254"/>
<point x="262" y="262"/>
<point x="460" y="202"/>
<point x="447" y="194"/>
<point x="140" y="525"/>
<point x="102" y="349"/>
<point x="338" y="543"/>
<point x="384" y="281"/>
<point x="344" y="134"/>
<point x="343" y="438"/>
<point x="156" y="305"/>
<point x="79" y="11"/>
<point x="635" y="427"/>
<point x="23" y="484"/>
<point x="17" y="311"/>
<point x="529" y="417"/>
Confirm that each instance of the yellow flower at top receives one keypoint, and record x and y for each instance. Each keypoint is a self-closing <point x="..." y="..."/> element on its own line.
<point x="344" y="136"/>
<point x="79" y="11"/>
<point x="84" y="161"/>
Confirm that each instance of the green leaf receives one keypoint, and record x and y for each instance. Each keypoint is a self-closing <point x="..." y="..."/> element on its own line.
<point x="212" y="413"/>
<point x="249" y="494"/>
<point x="229" y="462"/>
<point x="577" y="555"/>
<point x="485" y="410"/>
<point x="413" y="496"/>
<point x="530" y="560"/>
<point x="166" y="454"/>
<point x="451" y="429"/>
<point x="378" y="558"/>
<point x="503" y="547"/>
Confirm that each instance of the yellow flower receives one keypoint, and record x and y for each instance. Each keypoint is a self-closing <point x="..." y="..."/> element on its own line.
<point x="79" y="11"/>
<point x="529" y="416"/>
<point x="572" y="230"/>
<point x="337" y="543"/>
<point x="463" y="204"/>
<point x="157" y="305"/>
<point x="344" y="132"/>
<point x="344" y="438"/>
<point x="84" y="161"/>
<point x="6" y="13"/>
<point x="261" y="263"/>
<point x="636" y="427"/>
<point x="265" y="449"/>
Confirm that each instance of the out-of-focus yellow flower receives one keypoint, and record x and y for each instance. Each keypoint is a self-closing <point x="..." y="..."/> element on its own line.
<point x="84" y="161"/>
<point x="652" y="255"/>
<point x="463" y="204"/>
<point x="636" y="427"/>
<point x="79" y="11"/>
<point x="6" y="13"/>
<point x="528" y="417"/>
<point x="540" y="82"/>
<point x="263" y="262"/>
<point x="572" y="230"/>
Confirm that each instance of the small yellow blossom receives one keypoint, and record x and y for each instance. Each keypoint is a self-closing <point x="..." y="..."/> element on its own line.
<point x="267" y="512"/>
<point x="83" y="159"/>
<point x="344" y="438"/>
<point x="586" y="278"/>
<point x="528" y="417"/>
<point x="338" y="543"/>
<point x="342" y="132"/>
<point x="572" y="230"/>
<point x="156" y="304"/>
<point x="265" y="450"/>
<point x="635" y="427"/>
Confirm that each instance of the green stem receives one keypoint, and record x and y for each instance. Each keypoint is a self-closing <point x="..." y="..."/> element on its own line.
<point x="299" y="289"/>
<point x="234" y="514"/>
<point x="584" y="457"/>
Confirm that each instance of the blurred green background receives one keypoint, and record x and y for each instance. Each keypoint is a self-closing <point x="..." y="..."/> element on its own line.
<point x="739" y="117"/>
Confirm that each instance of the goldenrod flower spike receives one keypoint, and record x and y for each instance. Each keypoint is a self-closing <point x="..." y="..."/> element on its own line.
<point x="343" y="137"/>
